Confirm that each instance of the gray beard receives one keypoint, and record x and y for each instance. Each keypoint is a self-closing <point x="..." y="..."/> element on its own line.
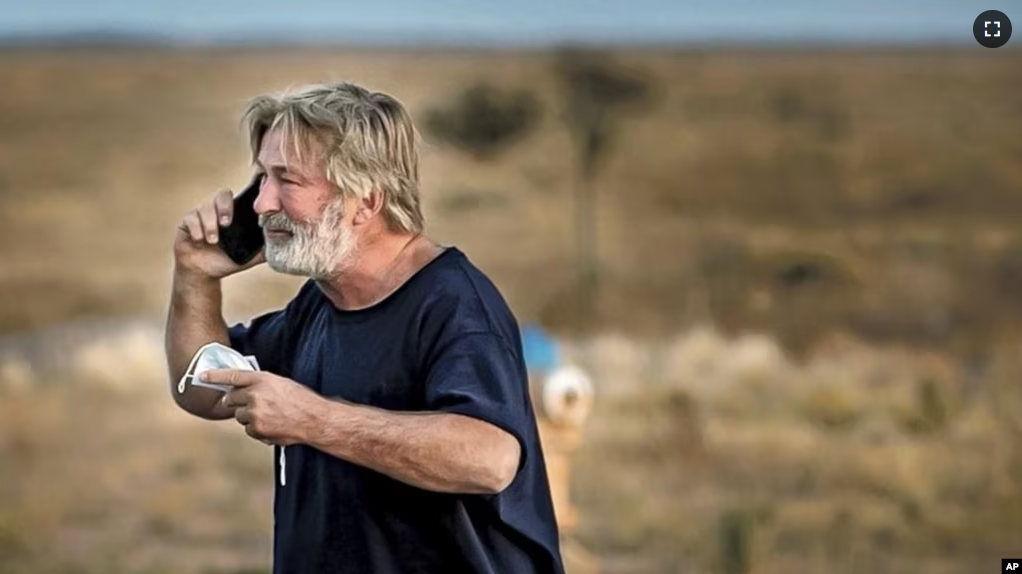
<point x="319" y="250"/>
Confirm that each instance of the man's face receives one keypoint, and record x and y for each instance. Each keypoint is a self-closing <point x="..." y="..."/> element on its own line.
<point x="302" y="216"/>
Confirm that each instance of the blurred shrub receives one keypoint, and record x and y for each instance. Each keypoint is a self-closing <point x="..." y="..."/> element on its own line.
<point x="815" y="104"/>
<point x="930" y="413"/>
<point x="734" y="531"/>
<point x="1007" y="275"/>
<point x="470" y="199"/>
<point x="596" y="91"/>
<point x="12" y="545"/>
<point x="831" y="407"/>
<point x="932" y="407"/>
<point x="798" y="269"/>
<point x="788" y="105"/>
<point x="484" y="120"/>
<point x="798" y="294"/>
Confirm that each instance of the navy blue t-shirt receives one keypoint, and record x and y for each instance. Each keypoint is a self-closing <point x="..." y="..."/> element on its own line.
<point x="444" y="341"/>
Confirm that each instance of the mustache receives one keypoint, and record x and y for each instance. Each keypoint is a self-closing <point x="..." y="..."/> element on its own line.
<point x="280" y="221"/>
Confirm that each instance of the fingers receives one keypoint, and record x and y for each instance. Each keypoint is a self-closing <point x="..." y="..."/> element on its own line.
<point x="250" y="431"/>
<point x="223" y="202"/>
<point x="203" y="222"/>
<point x="208" y="217"/>
<point x="193" y="225"/>
<point x="245" y="418"/>
<point x="243" y="415"/>
<point x="236" y="399"/>
<point x="233" y="377"/>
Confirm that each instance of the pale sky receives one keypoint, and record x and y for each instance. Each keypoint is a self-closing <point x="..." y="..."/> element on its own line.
<point x="510" y="21"/>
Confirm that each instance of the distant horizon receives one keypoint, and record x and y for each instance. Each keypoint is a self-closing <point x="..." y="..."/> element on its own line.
<point x="86" y="37"/>
<point x="464" y="23"/>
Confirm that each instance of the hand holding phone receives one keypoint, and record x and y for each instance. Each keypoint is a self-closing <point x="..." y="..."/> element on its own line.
<point x="243" y="239"/>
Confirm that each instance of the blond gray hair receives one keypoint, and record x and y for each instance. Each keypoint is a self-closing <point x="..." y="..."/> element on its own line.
<point x="366" y="141"/>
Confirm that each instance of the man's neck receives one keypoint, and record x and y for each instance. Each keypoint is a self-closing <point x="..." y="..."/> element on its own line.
<point x="379" y="267"/>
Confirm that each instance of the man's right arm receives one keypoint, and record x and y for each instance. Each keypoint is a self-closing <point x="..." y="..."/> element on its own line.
<point x="194" y="319"/>
<point x="195" y="316"/>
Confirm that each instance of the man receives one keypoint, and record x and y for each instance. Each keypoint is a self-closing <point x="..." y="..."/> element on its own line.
<point x="393" y="386"/>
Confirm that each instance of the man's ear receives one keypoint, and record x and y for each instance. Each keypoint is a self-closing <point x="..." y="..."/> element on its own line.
<point x="368" y="207"/>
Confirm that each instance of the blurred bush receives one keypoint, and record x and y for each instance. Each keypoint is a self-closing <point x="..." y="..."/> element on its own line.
<point x="484" y="120"/>
<point x="596" y="93"/>
<point x="735" y="538"/>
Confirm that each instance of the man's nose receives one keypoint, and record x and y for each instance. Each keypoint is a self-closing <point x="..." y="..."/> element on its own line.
<point x="268" y="200"/>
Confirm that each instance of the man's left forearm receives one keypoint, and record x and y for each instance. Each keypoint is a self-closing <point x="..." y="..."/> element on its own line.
<point x="442" y="452"/>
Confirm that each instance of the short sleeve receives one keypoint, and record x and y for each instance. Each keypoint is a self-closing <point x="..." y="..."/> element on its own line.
<point x="264" y="337"/>
<point x="477" y="375"/>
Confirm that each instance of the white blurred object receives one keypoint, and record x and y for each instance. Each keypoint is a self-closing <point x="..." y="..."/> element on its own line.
<point x="567" y="396"/>
<point x="16" y="374"/>
<point x="119" y="357"/>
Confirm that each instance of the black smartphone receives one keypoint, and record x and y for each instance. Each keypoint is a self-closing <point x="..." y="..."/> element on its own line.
<point x="243" y="238"/>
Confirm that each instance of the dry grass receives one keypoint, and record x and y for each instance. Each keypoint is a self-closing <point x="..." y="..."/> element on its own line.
<point x="859" y="459"/>
<point x="863" y="461"/>
<point x="110" y="481"/>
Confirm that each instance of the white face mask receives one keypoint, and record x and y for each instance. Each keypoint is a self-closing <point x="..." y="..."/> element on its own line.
<point x="215" y="356"/>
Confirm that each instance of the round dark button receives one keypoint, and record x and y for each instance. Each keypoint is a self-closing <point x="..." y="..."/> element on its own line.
<point x="992" y="29"/>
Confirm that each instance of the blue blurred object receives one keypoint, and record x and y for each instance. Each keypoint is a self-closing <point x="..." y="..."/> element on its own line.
<point x="541" y="351"/>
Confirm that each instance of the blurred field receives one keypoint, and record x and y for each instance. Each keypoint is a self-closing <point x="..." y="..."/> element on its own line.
<point x="853" y="210"/>
<point x="100" y="474"/>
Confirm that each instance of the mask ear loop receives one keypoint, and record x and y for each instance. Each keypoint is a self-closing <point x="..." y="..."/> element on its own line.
<point x="191" y="366"/>
<point x="283" y="466"/>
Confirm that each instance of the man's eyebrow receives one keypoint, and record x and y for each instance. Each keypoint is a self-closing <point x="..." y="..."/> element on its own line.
<point x="278" y="168"/>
